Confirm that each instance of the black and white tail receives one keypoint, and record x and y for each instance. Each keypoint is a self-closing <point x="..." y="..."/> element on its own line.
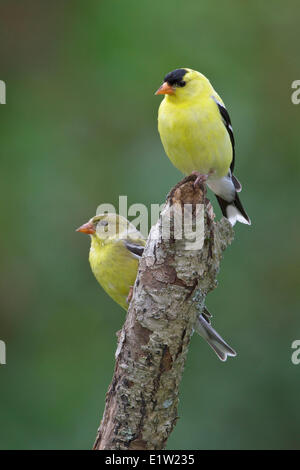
<point x="226" y="190"/>
<point x="216" y="342"/>
<point x="233" y="210"/>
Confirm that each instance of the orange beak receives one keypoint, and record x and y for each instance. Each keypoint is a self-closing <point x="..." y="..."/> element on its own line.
<point x="87" y="228"/>
<point x="165" y="89"/>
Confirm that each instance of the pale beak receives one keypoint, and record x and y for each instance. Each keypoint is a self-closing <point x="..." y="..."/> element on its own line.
<point x="87" y="228"/>
<point x="165" y="89"/>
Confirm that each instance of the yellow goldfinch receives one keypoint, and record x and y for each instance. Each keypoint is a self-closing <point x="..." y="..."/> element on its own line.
<point x="116" y="247"/>
<point x="197" y="136"/>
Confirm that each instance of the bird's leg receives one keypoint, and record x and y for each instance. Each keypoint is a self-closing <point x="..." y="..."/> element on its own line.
<point x="129" y="297"/>
<point x="200" y="178"/>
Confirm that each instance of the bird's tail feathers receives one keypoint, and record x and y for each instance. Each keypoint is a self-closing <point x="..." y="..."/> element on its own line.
<point x="234" y="210"/>
<point x="216" y="342"/>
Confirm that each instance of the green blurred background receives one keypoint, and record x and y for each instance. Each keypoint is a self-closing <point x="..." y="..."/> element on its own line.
<point x="79" y="129"/>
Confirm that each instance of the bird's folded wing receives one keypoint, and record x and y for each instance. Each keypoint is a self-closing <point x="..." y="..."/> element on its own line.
<point x="135" y="248"/>
<point x="207" y="315"/>
<point x="227" y="123"/>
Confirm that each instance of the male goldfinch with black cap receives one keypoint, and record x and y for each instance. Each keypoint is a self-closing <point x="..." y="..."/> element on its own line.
<point x="197" y="136"/>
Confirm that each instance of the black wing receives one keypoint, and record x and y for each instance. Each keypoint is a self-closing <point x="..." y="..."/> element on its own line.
<point x="134" y="248"/>
<point x="206" y="315"/>
<point x="227" y="124"/>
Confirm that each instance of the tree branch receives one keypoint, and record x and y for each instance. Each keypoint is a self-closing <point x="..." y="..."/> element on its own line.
<point x="169" y="293"/>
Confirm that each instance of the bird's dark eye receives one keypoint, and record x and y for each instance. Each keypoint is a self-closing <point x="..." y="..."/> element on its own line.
<point x="104" y="223"/>
<point x="182" y="83"/>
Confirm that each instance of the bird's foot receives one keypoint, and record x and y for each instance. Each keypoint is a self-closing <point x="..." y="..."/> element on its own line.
<point x="129" y="297"/>
<point x="200" y="178"/>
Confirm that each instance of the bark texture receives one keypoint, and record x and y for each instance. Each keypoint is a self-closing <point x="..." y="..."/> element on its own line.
<point x="169" y="292"/>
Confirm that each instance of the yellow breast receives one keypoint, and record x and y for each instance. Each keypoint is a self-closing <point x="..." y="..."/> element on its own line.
<point x="115" y="268"/>
<point x="194" y="136"/>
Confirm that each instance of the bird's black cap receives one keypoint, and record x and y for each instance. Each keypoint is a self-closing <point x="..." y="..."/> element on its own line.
<point x="175" y="77"/>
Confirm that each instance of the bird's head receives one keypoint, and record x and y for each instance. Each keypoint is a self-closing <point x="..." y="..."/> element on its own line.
<point x="104" y="227"/>
<point x="183" y="84"/>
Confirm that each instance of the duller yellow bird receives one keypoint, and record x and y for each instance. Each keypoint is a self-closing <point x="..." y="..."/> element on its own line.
<point x="116" y="247"/>
<point x="197" y="136"/>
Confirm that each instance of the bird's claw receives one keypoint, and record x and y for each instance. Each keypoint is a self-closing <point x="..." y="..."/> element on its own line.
<point x="200" y="178"/>
<point x="129" y="296"/>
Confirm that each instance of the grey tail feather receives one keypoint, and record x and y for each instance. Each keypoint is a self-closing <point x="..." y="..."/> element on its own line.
<point x="234" y="206"/>
<point x="216" y="342"/>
